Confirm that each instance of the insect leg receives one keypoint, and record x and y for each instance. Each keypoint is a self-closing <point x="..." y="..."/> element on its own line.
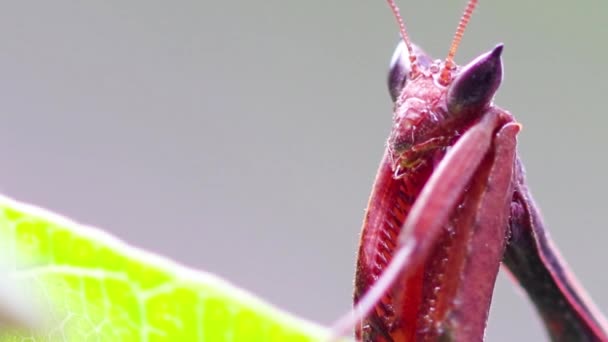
<point x="429" y="213"/>
<point x="567" y="311"/>
<point x="467" y="317"/>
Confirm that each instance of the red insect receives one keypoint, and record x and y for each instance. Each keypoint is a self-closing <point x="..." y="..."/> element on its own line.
<point x="448" y="205"/>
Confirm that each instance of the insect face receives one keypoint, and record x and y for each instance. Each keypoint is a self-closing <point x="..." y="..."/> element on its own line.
<point x="431" y="111"/>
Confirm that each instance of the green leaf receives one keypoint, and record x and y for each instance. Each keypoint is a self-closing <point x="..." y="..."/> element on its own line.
<point x="89" y="286"/>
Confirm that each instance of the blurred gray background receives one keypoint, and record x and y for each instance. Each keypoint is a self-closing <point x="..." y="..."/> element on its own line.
<point x="242" y="137"/>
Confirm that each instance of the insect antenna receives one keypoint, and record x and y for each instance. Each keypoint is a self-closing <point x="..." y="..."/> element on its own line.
<point x="462" y="25"/>
<point x="404" y="35"/>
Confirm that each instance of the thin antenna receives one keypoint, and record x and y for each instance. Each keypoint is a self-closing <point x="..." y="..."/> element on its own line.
<point x="462" y="25"/>
<point x="404" y="35"/>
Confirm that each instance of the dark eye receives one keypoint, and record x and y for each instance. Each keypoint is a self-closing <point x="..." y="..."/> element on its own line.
<point x="399" y="69"/>
<point x="475" y="86"/>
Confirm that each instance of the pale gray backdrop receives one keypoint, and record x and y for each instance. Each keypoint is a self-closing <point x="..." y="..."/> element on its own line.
<point x="242" y="137"/>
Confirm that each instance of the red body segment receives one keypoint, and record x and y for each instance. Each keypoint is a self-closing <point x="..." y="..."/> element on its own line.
<point x="448" y="205"/>
<point x="422" y="304"/>
<point x="389" y="205"/>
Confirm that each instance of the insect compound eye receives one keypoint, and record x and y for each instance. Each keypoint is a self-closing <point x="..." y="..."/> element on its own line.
<point x="475" y="86"/>
<point x="400" y="68"/>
